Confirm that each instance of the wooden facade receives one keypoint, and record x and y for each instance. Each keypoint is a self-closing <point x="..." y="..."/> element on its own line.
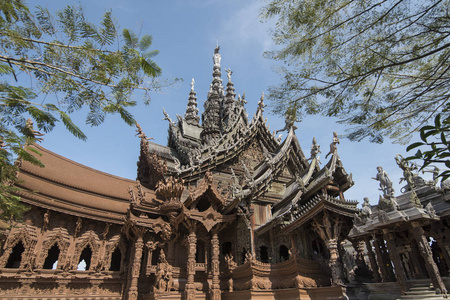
<point x="225" y="210"/>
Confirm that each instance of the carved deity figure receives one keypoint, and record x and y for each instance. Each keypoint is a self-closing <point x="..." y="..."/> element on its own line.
<point x="333" y="145"/>
<point x="164" y="275"/>
<point x="385" y="182"/>
<point x="192" y="84"/>
<point x="29" y="131"/>
<point x="315" y="149"/>
<point x="229" y="73"/>
<point x="46" y="220"/>
<point x="407" y="171"/>
<point x="366" y="209"/>
<point x="216" y="57"/>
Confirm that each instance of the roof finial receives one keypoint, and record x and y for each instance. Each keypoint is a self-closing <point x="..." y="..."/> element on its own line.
<point x="333" y="145"/>
<point x="192" y="84"/>
<point x="261" y="104"/>
<point x="216" y="57"/>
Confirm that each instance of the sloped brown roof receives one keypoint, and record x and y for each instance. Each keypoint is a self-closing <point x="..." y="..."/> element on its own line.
<point x="66" y="186"/>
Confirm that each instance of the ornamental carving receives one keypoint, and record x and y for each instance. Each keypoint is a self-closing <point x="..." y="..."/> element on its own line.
<point x="170" y="190"/>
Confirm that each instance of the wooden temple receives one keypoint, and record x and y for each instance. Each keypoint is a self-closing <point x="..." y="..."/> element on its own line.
<point x="225" y="211"/>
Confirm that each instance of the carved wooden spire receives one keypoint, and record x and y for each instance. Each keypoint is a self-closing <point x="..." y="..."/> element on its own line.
<point x="191" y="115"/>
<point x="230" y="97"/>
<point x="211" y="116"/>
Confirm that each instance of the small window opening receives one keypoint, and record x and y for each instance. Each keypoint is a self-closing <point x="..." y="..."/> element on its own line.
<point x="51" y="262"/>
<point x="200" y="254"/>
<point x="116" y="258"/>
<point x="15" y="257"/>
<point x="85" y="259"/>
<point x="203" y="204"/>
<point x="264" y="254"/>
<point x="284" y="253"/>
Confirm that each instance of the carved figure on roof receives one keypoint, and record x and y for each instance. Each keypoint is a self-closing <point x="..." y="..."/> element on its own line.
<point x="289" y="121"/>
<point x="166" y="117"/>
<point x="229" y="73"/>
<point x="315" y="149"/>
<point x="216" y="57"/>
<point x="29" y="131"/>
<point x="333" y="145"/>
<point x="366" y="209"/>
<point x="387" y="203"/>
<point x="435" y="171"/>
<point x="430" y="210"/>
<point x="407" y="171"/>
<point x="261" y="104"/>
<point x="385" y="182"/>
<point x="192" y="84"/>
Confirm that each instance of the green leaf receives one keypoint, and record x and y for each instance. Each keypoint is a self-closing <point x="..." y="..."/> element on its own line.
<point x="130" y="38"/>
<point x="71" y="127"/>
<point x="414" y="145"/>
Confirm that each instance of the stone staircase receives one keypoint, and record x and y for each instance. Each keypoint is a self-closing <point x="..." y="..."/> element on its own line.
<point x="420" y="290"/>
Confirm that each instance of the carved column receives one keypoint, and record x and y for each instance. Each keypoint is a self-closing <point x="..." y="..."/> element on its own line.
<point x="190" y="286"/>
<point x="419" y="271"/>
<point x="359" y="248"/>
<point x="135" y="267"/>
<point x="382" y="264"/>
<point x="372" y="259"/>
<point x="334" y="264"/>
<point x="395" y="258"/>
<point x="427" y="255"/>
<point x="215" y="287"/>
<point x="329" y="230"/>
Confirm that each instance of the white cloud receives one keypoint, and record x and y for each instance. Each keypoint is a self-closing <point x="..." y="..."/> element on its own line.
<point x="245" y="30"/>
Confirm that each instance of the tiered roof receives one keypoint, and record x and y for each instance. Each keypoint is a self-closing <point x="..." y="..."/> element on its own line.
<point x="224" y="136"/>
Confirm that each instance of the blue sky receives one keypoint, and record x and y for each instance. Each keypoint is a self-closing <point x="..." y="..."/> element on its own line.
<point x="186" y="33"/>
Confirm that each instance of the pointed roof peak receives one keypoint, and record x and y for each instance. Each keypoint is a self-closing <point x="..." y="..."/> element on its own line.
<point x="191" y="115"/>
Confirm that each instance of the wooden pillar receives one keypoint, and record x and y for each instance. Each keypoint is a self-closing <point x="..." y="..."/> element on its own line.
<point x="190" y="285"/>
<point x="382" y="263"/>
<point x="427" y="255"/>
<point x="395" y="258"/>
<point x="329" y="229"/>
<point x="372" y="259"/>
<point x="136" y="267"/>
<point x="215" y="287"/>
<point x="336" y="272"/>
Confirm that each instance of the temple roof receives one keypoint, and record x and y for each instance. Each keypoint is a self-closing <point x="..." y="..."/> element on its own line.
<point x="70" y="187"/>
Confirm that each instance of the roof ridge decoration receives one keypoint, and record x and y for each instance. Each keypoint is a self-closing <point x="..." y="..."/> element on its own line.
<point x="171" y="190"/>
<point x="150" y="167"/>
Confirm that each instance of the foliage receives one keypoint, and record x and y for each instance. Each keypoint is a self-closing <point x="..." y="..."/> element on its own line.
<point x="380" y="66"/>
<point x="436" y="140"/>
<point x="70" y="64"/>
